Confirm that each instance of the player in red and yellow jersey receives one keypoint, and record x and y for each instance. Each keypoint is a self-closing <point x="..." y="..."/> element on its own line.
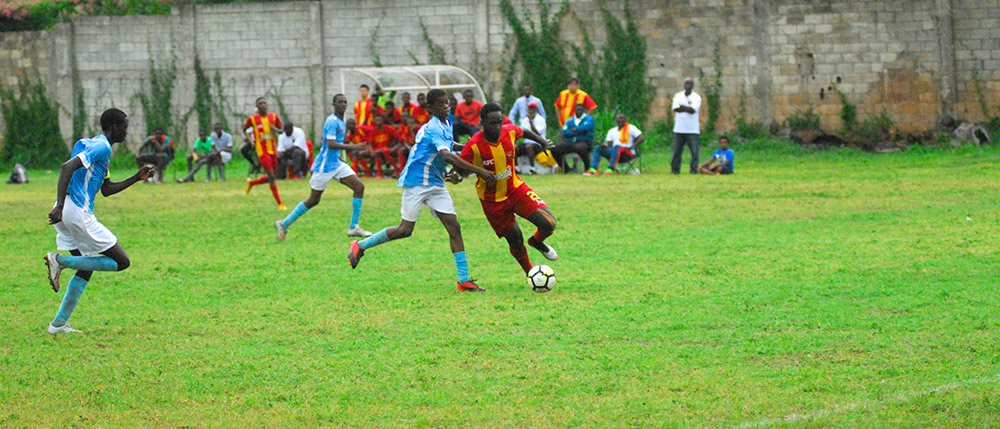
<point x="569" y="98"/>
<point x="493" y="149"/>
<point x="356" y="135"/>
<point x="407" y="133"/>
<point x="363" y="108"/>
<point x="380" y="138"/>
<point x="265" y="127"/>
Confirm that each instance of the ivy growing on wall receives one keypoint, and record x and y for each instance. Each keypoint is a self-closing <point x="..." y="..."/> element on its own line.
<point x="202" y="96"/>
<point x="624" y="70"/>
<point x="33" y="138"/>
<point x="156" y="104"/>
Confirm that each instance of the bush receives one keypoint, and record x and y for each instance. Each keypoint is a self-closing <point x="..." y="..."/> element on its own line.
<point x="751" y="130"/>
<point x="32" y="121"/>
<point x="46" y="14"/>
<point x="807" y="120"/>
<point x="875" y="127"/>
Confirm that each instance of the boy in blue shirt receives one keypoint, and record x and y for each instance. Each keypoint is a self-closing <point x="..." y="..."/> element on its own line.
<point x="326" y="167"/>
<point x="93" y="246"/>
<point x="422" y="181"/>
<point x="721" y="161"/>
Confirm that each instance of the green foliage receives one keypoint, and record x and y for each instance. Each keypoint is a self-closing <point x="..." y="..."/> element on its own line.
<point x="659" y="136"/>
<point x="80" y="118"/>
<point x="624" y="67"/>
<point x="157" y="105"/>
<point x="848" y="113"/>
<point x="713" y="91"/>
<point x="540" y="52"/>
<point x="435" y="53"/>
<point x="202" y="96"/>
<point x="805" y="120"/>
<point x="32" y="122"/>
<point x="604" y="120"/>
<point x="46" y="14"/>
<point x="750" y="129"/>
<point x="875" y="127"/>
<point x="510" y="92"/>
<point x="588" y="64"/>
<point x="218" y="102"/>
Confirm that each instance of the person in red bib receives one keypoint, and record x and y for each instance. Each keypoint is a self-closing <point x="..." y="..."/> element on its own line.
<point x="265" y="128"/>
<point x="405" y="109"/>
<point x="420" y="112"/>
<point x="381" y="137"/>
<point x="467" y="115"/>
<point x="357" y="136"/>
<point x="493" y="149"/>
<point x="407" y="133"/>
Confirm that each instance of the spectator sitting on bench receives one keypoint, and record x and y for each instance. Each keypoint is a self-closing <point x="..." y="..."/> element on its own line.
<point x="250" y="153"/>
<point x="292" y="152"/>
<point x="200" y="154"/>
<point x="576" y="137"/>
<point x="536" y="123"/>
<point x="158" y="151"/>
<point x="621" y="144"/>
<point x="721" y="161"/>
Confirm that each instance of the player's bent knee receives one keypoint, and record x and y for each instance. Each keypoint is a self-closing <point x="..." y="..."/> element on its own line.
<point x="123" y="263"/>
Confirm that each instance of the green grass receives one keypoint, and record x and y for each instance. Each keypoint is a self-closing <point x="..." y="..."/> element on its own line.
<point x="840" y="288"/>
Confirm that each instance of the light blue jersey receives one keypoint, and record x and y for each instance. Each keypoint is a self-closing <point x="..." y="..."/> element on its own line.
<point x="329" y="159"/>
<point x="425" y="166"/>
<point x="95" y="153"/>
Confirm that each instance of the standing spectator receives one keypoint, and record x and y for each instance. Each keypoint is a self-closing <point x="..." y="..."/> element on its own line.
<point x="687" y="129"/>
<point x="569" y="98"/>
<point x="576" y="137"/>
<point x="363" y="109"/>
<point x="520" y="108"/>
<point x="467" y="115"/>
<point x="621" y="144"/>
<point x="723" y="159"/>
<point x="158" y="151"/>
<point x="199" y="154"/>
<point x="292" y="151"/>
<point x="536" y="124"/>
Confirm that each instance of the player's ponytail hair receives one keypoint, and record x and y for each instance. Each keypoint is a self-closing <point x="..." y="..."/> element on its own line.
<point x="487" y="109"/>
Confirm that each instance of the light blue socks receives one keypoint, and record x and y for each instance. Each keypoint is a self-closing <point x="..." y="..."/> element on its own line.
<point x="88" y="263"/>
<point x="73" y="292"/>
<point x="462" y="265"/>
<point x="376" y="239"/>
<point x="355" y="212"/>
<point x="295" y="214"/>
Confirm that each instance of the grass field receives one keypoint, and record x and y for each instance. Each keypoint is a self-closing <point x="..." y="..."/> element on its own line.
<point x="812" y="288"/>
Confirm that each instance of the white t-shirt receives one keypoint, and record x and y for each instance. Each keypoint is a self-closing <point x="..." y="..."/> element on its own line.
<point x="539" y="124"/>
<point x="298" y="139"/>
<point x="614" y="134"/>
<point x="686" y="123"/>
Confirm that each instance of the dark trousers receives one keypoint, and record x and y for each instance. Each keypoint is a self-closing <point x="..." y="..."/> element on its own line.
<point x="294" y="157"/>
<point x="692" y="141"/>
<point x="250" y="153"/>
<point x="565" y="147"/>
<point x="462" y="129"/>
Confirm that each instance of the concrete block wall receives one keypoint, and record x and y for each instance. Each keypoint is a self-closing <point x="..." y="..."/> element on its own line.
<point x="918" y="59"/>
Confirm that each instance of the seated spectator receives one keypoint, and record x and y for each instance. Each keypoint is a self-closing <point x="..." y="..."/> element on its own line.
<point x="407" y="133"/>
<point x="292" y="151"/>
<point x="466" y="116"/>
<point x="722" y="160"/>
<point x="405" y="109"/>
<point x="222" y="147"/>
<point x="381" y="137"/>
<point x="157" y="150"/>
<point x="576" y="136"/>
<point x="536" y="123"/>
<point x="420" y="112"/>
<point x="354" y="135"/>
<point x="199" y="154"/>
<point x="389" y="112"/>
<point x="621" y="144"/>
<point x="249" y="152"/>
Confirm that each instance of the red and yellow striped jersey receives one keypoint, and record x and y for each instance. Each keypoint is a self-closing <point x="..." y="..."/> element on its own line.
<point x="265" y="132"/>
<point x="497" y="158"/>
<point x="566" y="102"/>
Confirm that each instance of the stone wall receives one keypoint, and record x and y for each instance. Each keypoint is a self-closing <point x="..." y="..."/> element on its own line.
<point x="918" y="59"/>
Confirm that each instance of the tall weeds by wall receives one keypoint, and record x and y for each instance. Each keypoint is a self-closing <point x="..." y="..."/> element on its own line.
<point x="32" y="119"/>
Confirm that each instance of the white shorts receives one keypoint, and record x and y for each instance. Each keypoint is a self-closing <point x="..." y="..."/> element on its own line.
<point x="436" y="198"/>
<point x="80" y="230"/>
<point x="226" y="157"/>
<point x="320" y="180"/>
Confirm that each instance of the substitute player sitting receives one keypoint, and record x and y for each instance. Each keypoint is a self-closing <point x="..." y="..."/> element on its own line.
<point x="381" y="136"/>
<point x="423" y="184"/>
<point x="493" y="149"/>
<point x="326" y="167"/>
<point x="93" y="246"/>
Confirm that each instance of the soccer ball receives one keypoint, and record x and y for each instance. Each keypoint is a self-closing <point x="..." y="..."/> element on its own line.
<point x="541" y="278"/>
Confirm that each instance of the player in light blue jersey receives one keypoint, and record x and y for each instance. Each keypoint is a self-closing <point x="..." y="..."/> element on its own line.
<point x="327" y="166"/>
<point x="422" y="181"/>
<point x="78" y="231"/>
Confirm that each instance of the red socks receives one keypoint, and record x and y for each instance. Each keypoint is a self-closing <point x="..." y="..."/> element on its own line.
<point x="258" y="181"/>
<point x="521" y="254"/>
<point x="274" y="191"/>
<point x="540" y="235"/>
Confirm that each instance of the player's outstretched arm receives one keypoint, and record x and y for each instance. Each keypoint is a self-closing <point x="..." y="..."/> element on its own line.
<point x="109" y="188"/>
<point x="534" y="136"/>
<point x="345" y="146"/>
<point x="459" y="163"/>
<point x="65" y="175"/>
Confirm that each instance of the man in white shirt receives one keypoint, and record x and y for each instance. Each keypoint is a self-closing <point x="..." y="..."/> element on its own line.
<point x="292" y="151"/>
<point x="687" y="129"/>
<point x="621" y="144"/>
<point x="520" y="108"/>
<point x="536" y="124"/>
